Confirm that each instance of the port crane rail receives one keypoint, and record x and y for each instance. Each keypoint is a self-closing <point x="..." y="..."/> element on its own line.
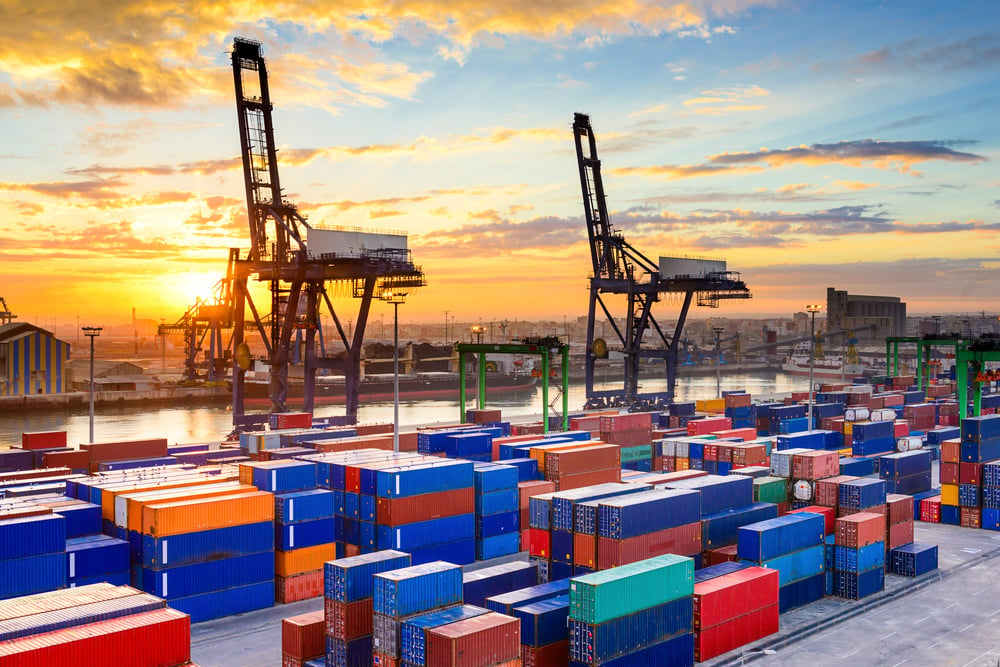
<point x="619" y="269"/>
<point x="278" y="255"/>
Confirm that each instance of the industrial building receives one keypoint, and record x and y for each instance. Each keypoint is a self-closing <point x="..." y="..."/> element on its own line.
<point x="852" y="311"/>
<point x="32" y="361"/>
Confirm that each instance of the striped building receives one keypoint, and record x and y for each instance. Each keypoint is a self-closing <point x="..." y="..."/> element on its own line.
<point x="32" y="361"/>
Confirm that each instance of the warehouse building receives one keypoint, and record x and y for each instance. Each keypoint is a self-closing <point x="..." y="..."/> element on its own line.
<point x="887" y="314"/>
<point x="32" y="361"/>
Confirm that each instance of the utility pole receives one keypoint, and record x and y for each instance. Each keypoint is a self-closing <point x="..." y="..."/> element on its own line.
<point x="718" y="361"/>
<point x="812" y="309"/>
<point x="92" y="333"/>
<point x="446" y="325"/>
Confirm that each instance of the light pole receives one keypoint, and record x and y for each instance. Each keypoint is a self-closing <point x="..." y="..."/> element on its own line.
<point x="92" y="333"/>
<point x="478" y="330"/>
<point x="395" y="298"/>
<point x="718" y="361"/>
<point x="446" y="325"/>
<point x="812" y="309"/>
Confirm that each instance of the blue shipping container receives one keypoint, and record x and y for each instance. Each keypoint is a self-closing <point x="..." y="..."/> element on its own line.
<point x="350" y="579"/>
<point x="904" y="464"/>
<point x="81" y="520"/>
<point x="497" y="524"/>
<point x="417" y="588"/>
<point x="410" y="536"/>
<point x="413" y="638"/>
<point x="856" y="586"/>
<point x="496" y="502"/>
<point x="425" y="478"/>
<point x="186" y="548"/>
<point x="913" y="560"/>
<point x="847" y="559"/>
<point x="497" y="545"/>
<point x="228" y="602"/>
<point x="674" y="652"/>
<point x="480" y="584"/>
<point x="216" y="575"/>
<point x="643" y="513"/>
<point x="490" y="477"/>
<point x="862" y="493"/>
<point x="283" y="476"/>
<point x="32" y="535"/>
<point x="797" y="565"/>
<point x="303" y="506"/>
<point x="777" y="537"/>
<point x="527" y="469"/>
<point x="623" y="636"/>
<point x="722" y="528"/>
<point x="543" y="622"/>
<point x="801" y="593"/>
<point x="718" y="493"/>
<point x="304" y="534"/>
<point x="34" y="574"/>
<point x="504" y="604"/>
<point x="87" y="557"/>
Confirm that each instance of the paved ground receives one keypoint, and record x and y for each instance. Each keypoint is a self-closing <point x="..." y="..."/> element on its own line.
<point x="948" y="617"/>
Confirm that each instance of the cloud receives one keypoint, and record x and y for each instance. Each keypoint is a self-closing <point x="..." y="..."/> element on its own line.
<point x="853" y="185"/>
<point x="659" y="108"/>
<point x="898" y="155"/>
<point x="718" y="101"/>
<point x="916" y="55"/>
<point x="491" y="233"/>
<point x="149" y="54"/>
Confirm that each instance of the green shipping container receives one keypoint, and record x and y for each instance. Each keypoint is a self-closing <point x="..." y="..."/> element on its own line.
<point x="770" y="490"/>
<point x="637" y="453"/>
<point x="602" y="596"/>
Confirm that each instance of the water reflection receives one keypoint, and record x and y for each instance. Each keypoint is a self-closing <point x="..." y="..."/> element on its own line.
<point x="212" y="421"/>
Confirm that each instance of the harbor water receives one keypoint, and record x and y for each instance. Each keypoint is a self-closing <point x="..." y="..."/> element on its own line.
<point x="213" y="421"/>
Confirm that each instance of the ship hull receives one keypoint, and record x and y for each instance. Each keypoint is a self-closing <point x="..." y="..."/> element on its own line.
<point x="825" y="372"/>
<point x="373" y="391"/>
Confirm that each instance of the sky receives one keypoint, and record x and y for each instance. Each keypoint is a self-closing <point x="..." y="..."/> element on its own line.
<point x="809" y="144"/>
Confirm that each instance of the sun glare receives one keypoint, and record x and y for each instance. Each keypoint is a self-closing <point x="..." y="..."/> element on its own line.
<point x="187" y="287"/>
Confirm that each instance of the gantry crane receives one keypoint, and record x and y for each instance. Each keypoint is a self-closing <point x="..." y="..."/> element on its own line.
<point x="208" y="318"/>
<point x="621" y="270"/>
<point x="6" y="317"/>
<point x="298" y="260"/>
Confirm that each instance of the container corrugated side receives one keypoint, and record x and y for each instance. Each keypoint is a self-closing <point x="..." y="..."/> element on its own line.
<point x="775" y="537"/>
<point x="601" y="596"/>
<point x="162" y="637"/>
<point x="41" y="603"/>
<point x="543" y="622"/>
<point x="350" y="579"/>
<point x="196" y="515"/>
<point x="215" y="575"/>
<point x="34" y="574"/>
<point x="307" y="559"/>
<point x="505" y="603"/>
<point x="650" y="512"/>
<point x="732" y="595"/>
<point x="425" y="507"/>
<point x="303" y="636"/>
<point x="426" y="533"/>
<point x="33" y="535"/>
<point x="797" y="565"/>
<point x="77" y="615"/>
<point x="413" y="644"/>
<point x="91" y="557"/>
<point x="481" y="641"/>
<point x="229" y="602"/>
<point x="417" y="588"/>
<point x="486" y="582"/>
<point x="186" y="548"/>
<point x="598" y="643"/>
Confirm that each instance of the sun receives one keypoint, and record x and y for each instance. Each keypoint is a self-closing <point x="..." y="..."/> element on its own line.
<point x="186" y="287"/>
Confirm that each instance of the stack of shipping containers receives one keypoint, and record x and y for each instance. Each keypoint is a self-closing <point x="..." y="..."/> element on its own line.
<point x="497" y="511"/>
<point x="406" y="592"/>
<point x="32" y="555"/>
<point x="543" y="620"/>
<point x="348" y="605"/>
<point x="642" y="610"/>
<point x="793" y="545"/>
<point x="859" y="557"/>
<point x="733" y="609"/>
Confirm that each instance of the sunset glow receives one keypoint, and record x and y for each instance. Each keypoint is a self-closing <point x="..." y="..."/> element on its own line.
<point x="852" y="145"/>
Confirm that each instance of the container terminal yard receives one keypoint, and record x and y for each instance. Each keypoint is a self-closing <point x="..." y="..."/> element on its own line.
<point x="858" y="521"/>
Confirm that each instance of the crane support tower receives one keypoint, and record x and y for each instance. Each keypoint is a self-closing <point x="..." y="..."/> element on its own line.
<point x="619" y="270"/>
<point x="298" y="261"/>
<point x="6" y="317"/>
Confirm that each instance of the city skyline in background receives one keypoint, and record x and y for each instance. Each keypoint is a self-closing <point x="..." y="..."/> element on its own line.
<point x="809" y="145"/>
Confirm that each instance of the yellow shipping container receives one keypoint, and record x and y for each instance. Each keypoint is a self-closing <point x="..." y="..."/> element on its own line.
<point x="848" y="428"/>
<point x="190" y="516"/>
<point x="298" y="561"/>
<point x="128" y="506"/>
<point x="949" y="494"/>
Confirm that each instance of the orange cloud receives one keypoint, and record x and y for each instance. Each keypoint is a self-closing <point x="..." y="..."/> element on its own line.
<point x="733" y="98"/>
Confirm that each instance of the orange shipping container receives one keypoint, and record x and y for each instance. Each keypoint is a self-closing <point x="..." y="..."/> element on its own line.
<point x="300" y="561"/>
<point x="191" y="516"/>
<point x="128" y="506"/>
<point x="109" y="493"/>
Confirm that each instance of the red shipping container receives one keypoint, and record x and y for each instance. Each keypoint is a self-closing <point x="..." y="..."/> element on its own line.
<point x="709" y="425"/>
<point x="860" y="530"/>
<point x="951" y="451"/>
<point x="748" y="455"/>
<point x="33" y="475"/>
<point x="482" y="641"/>
<point x="630" y="421"/>
<point x="584" y="550"/>
<point x="657" y="464"/>
<point x="901" y="428"/>
<point x="524" y="517"/>
<point x="738" y="400"/>
<point x="122" y="450"/>
<point x="899" y="508"/>
<point x="550" y="655"/>
<point x="303" y="637"/>
<point x="628" y="438"/>
<point x="591" y="423"/>
<point x="930" y="510"/>
<point x="828" y="490"/>
<point x="348" y="620"/>
<point x="732" y="595"/>
<point x="485" y="416"/>
<point x="383" y="660"/>
<point x="746" y="434"/>
<point x="351" y="550"/>
<point x="829" y="516"/>
<point x="950" y="472"/>
<point x="427" y="506"/>
<point x="161" y="637"/>
<point x="540" y="542"/>
<point x="725" y="452"/>
<point x="720" y="555"/>
<point x="75" y="460"/>
<point x="298" y="587"/>
<point x="582" y="459"/>
<point x="711" y="452"/>
<point x="970" y="473"/>
<point x="738" y="632"/>
<point x="374" y="429"/>
<point x="675" y="476"/>
<point x="970" y="517"/>
<point x="20" y="511"/>
<point x="567" y="482"/>
<point x="682" y="540"/>
<point x="899" y="534"/>
<point x="815" y="464"/>
<point x="43" y="440"/>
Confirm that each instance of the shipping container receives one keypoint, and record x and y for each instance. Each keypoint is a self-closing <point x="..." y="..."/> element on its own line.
<point x="33" y="535"/>
<point x="302" y="636"/>
<point x="488" y="582"/>
<point x="850" y="559"/>
<point x="504" y="604"/>
<point x="413" y="642"/>
<point x="417" y="588"/>
<point x="228" y="602"/>
<point x="714" y="641"/>
<point x="307" y="559"/>
<point x="720" y="529"/>
<point x="796" y="565"/>
<point x="913" y="560"/>
<point x="681" y="540"/>
<point x="348" y="620"/>
<point x="775" y="537"/>
<point x="600" y="643"/>
<point x="174" y="518"/>
<point x="648" y="512"/>
<point x="187" y="548"/>
<point x="543" y="622"/>
<point x="481" y="641"/>
<point x="859" y="530"/>
<point x="601" y="596"/>
<point x="80" y="614"/>
<point x="718" y="493"/>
